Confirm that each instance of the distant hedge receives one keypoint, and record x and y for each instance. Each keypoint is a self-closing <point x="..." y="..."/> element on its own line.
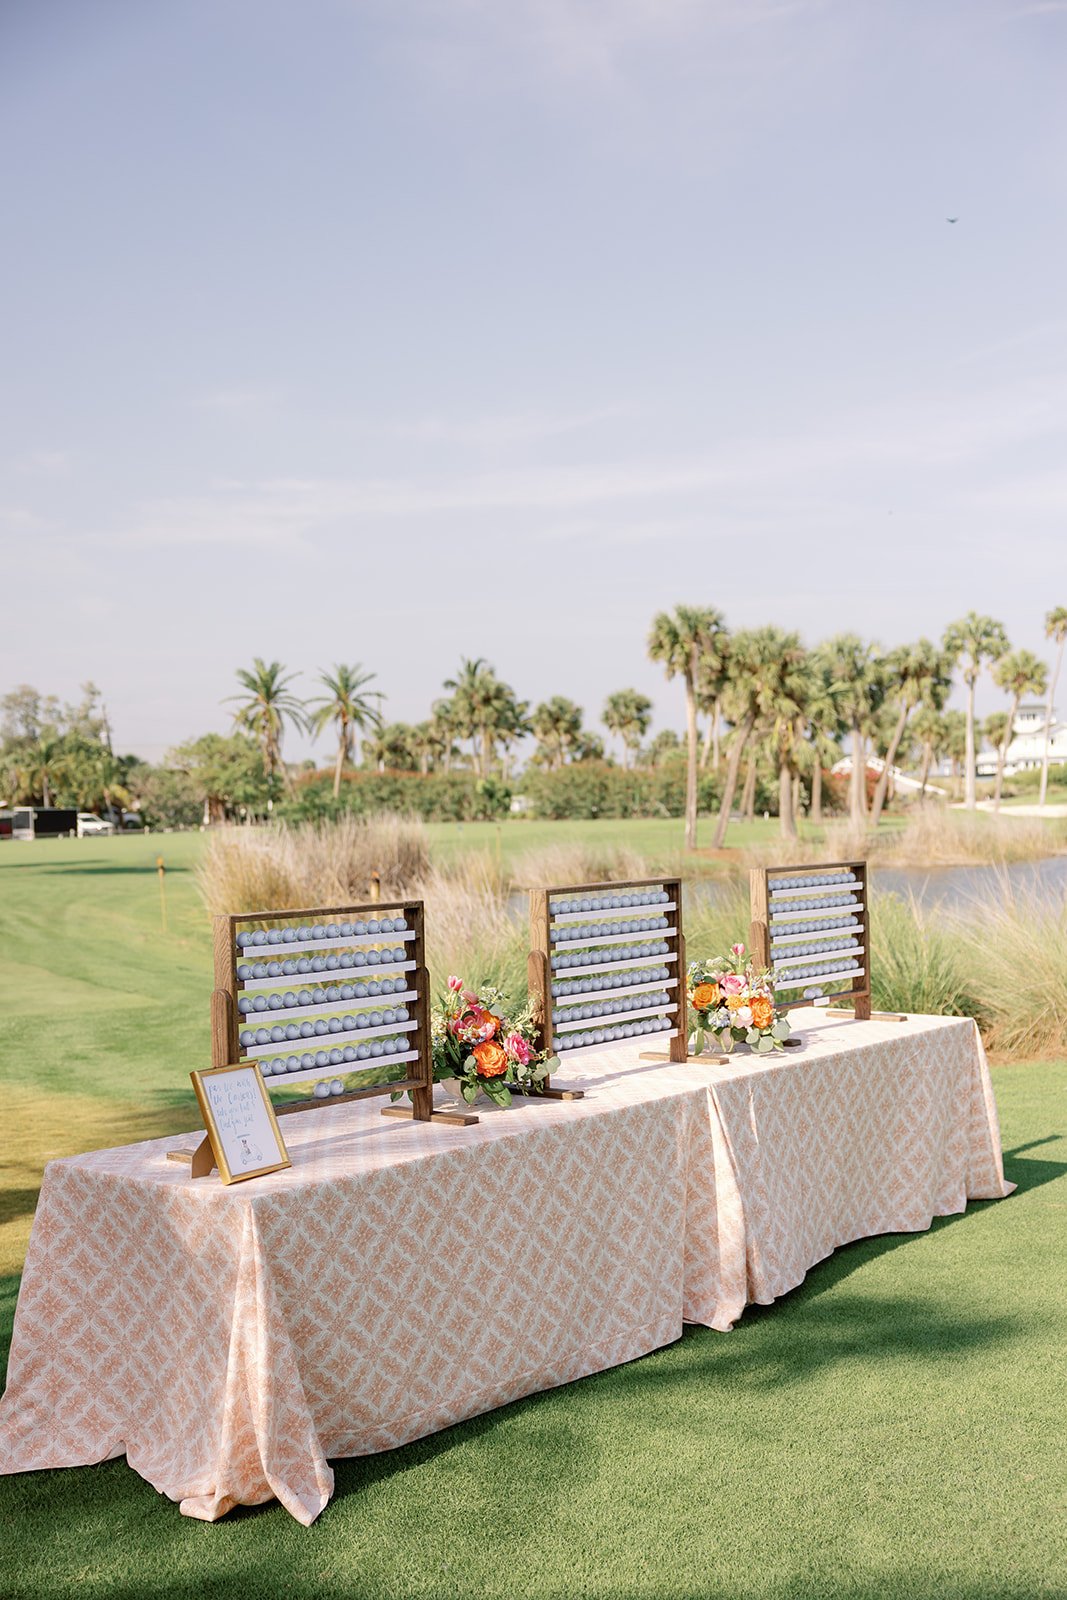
<point x="586" y="789"/>
<point x="433" y="796"/>
<point x="594" y="789"/>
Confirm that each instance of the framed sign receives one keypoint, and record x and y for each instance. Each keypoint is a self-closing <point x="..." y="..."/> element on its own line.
<point x="245" y="1138"/>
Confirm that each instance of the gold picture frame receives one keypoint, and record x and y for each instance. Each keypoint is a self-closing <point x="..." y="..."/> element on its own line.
<point x="243" y="1131"/>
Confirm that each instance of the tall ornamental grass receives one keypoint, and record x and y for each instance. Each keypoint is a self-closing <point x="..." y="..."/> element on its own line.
<point x="312" y="863"/>
<point x="1001" y="959"/>
<point x="1016" y="947"/>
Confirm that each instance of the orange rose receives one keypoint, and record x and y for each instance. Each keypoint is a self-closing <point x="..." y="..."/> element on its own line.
<point x="491" y="1058"/>
<point x="705" y="995"/>
<point x="762" y="1012"/>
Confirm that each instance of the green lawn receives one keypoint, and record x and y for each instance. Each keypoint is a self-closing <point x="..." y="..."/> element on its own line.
<point x="893" y="1428"/>
<point x="659" y="839"/>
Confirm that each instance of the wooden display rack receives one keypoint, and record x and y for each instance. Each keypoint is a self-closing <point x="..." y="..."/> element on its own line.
<point x="234" y="982"/>
<point x="553" y="911"/>
<point x="782" y="934"/>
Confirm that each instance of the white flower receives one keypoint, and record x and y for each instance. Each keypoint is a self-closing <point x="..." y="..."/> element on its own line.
<point x="743" y="1016"/>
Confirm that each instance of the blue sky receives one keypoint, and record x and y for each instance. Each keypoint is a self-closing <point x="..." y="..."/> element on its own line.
<point x="390" y="332"/>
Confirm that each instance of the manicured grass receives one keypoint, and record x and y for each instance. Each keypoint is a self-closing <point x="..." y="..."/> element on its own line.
<point x="660" y="840"/>
<point x="893" y="1428"/>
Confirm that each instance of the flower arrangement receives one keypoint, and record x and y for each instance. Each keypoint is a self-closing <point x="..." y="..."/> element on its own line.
<point x="734" y="1000"/>
<point x="473" y="1042"/>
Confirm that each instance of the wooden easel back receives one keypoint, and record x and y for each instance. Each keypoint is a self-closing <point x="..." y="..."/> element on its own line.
<point x="543" y="947"/>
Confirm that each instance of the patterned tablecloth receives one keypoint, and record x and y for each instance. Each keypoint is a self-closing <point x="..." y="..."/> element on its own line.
<point x="400" y="1277"/>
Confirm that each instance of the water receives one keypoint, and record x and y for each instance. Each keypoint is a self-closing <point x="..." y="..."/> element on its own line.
<point x="960" y="886"/>
<point x="931" y="886"/>
<point x="952" y="886"/>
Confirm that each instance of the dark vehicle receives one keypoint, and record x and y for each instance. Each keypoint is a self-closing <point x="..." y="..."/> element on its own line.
<point x="5" y="824"/>
<point x="43" y="822"/>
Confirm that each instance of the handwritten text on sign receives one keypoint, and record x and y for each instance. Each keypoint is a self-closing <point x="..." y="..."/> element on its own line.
<point x="242" y="1120"/>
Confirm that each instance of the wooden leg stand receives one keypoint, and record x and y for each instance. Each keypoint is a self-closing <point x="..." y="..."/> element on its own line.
<point x="662" y="1055"/>
<point x="455" y="1119"/>
<point x="201" y="1161"/>
<point x="422" y="1110"/>
<point x="866" y="1015"/>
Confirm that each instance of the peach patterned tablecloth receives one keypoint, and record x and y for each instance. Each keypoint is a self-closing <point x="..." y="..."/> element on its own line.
<point x="401" y="1277"/>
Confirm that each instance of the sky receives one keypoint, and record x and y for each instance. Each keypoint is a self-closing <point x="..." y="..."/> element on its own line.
<point x="395" y="331"/>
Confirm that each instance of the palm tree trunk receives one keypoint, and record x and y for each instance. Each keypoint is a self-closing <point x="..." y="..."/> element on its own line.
<point x="882" y="788"/>
<point x="796" y="794"/>
<point x="1048" y="724"/>
<point x="337" y="766"/>
<point x="858" y="789"/>
<point x="970" y="785"/>
<point x="816" y="791"/>
<point x="733" y="766"/>
<point x="927" y="763"/>
<point x="748" y="797"/>
<point x="787" y="825"/>
<point x="1002" y="751"/>
<point x="691" y="764"/>
<point x="705" y="748"/>
<point x="716" y="751"/>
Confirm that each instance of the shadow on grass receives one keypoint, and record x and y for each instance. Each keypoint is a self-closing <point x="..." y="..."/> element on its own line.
<point x="89" y="869"/>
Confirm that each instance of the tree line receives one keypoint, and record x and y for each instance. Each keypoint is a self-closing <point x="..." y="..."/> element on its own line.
<point x="761" y="709"/>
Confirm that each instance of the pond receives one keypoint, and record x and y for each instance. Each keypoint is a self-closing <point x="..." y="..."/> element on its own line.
<point x="954" y="886"/>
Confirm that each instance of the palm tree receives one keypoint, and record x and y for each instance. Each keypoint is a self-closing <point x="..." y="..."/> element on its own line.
<point x="43" y="767"/>
<point x="788" y="688"/>
<point x="752" y="666"/>
<point x="1019" y="672"/>
<point x="445" y="729"/>
<point x="927" y="726"/>
<point x="997" y="728"/>
<point x="1056" y="630"/>
<point x="346" y="704"/>
<point x="681" y="642"/>
<point x="484" y="709"/>
<point x="394" y="746"/>
<point x="953" y="744"/>
<point x="973" y="640"/>
<point x="471" y="691"/>
<point x="826" y="724"/>
<point x="916" y="674"/>
<point x="856" y="669"/>
<point x="712" y="677"/>
<point x="266" y="707"/>
<point x="511" y="723"/>
<point x="662" y="747"/>
<point x="557" y="725"/>
<point x="627" y="714"/>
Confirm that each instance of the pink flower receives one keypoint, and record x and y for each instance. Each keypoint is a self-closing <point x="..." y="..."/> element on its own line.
<point x="471" y="999"/>
<point x="517" y="1047"/>
<point x="737" y="951"/>
<point x="455" y="984"/>
<point x="732" y="983"/>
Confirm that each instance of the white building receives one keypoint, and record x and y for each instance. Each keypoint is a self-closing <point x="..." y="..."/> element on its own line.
<point x="1027" y="748"/>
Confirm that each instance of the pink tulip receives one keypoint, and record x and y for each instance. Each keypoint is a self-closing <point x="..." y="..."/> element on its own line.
<point x="455" y="984"/>
<point x="471" y="999"/>
<point x="737" y="950"/>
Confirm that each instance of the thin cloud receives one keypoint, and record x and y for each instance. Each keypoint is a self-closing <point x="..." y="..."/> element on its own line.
<point x="846" y="460"/>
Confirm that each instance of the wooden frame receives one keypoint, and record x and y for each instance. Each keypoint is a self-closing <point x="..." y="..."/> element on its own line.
<point x="221" y="1138"/>
<point x="229" y="1041"/>
<point x="546" y="948"/>
<point x="771" y="891"/>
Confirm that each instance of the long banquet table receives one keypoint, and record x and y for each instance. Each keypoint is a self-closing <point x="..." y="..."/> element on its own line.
<point x="400" y="1277"/>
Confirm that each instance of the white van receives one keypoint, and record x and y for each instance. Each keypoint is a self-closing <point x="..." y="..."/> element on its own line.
<point x="88" y="824"/>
